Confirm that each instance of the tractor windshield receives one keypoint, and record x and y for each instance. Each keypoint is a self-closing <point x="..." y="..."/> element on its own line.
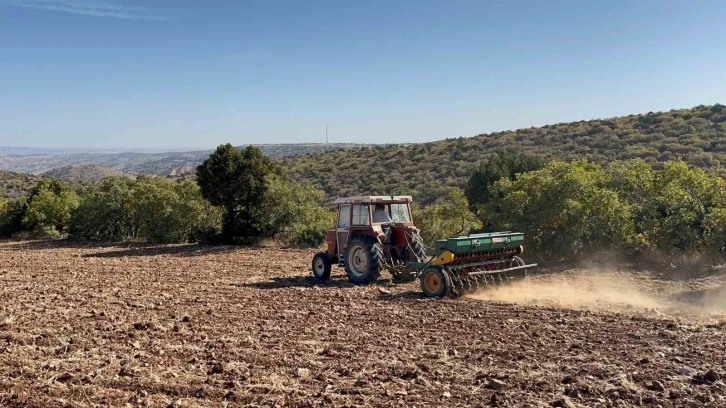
<point x="399" y="213"/>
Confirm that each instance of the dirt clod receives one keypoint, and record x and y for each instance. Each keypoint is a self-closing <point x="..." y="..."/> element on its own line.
<point x="712" y="376"/>
<point x="657" y="386"/>
<point x="143" y="326"/>
<point x="687" y="371"/>
<point x="495" y="384"/>
<point x="575" y="394"/>
<point x="563" y="403"/>
<point x="216" y="368"/>
<point x="65" y="377"/>
<point x="569" y="380"/>
<point x="302" y="373"/>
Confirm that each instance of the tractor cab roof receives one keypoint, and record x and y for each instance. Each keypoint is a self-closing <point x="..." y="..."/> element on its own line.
<point x="374" y="199"/>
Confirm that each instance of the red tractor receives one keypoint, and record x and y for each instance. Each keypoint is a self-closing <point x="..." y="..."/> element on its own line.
<point x="372" y="233"/>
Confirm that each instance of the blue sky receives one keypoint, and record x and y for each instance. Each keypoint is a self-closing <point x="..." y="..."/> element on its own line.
<point x="86" y="73"/>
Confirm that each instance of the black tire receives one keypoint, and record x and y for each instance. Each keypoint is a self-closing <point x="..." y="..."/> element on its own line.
<point x="419" y="250"/>
<point x="363" y="259"/>
<point x="435" y="282"/>
<point x="321" y="266"/>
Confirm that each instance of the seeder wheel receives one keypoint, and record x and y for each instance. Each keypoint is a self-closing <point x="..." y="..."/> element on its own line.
<point x="519" y="274"/>
<point x="435" y="282"/>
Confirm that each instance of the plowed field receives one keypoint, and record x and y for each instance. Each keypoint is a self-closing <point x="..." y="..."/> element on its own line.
<point x="190" y="326"/>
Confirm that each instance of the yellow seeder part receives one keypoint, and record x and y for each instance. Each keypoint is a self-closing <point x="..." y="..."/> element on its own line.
<point x="446" y="257"/>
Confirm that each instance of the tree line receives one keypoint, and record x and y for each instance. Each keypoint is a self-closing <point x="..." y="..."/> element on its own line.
<point x="240" y="197"/>
<point x="565" y="208"/>
<point x="578" y="207"/>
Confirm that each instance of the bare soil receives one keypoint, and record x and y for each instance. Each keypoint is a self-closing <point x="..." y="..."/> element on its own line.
<point x="136" y="325"/>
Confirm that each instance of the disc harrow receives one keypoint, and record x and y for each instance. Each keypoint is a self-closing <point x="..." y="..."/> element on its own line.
<point x="469" y="263"/>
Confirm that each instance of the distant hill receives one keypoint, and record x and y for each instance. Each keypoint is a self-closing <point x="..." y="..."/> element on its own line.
<point x="427" y="170"/>
<point x="26" y="151"/>
<point x="15" y="185"/>
<point x="88" y="173"/>
<point x="159" y="164"/>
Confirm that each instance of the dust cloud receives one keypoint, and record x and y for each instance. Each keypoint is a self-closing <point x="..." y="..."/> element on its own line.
<point x="594" y="289"/>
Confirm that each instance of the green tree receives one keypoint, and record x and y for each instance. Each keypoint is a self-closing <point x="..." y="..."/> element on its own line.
<point x="684" y="201"/>
<point x="634" y="181"/>
<point x="676" y="208"/>
<point x="149" y="208"/>
<point x="105" y="212"/>
<point x="237" y="182"/>
<point x="296" y="214"/>
<point x="171" y="212"/>
<point x="446" y="219"/>
<point x="563" y="209"/>
<point x="715" y="230"/>
<point x="196" y="216"/>
<point x="502" y="165"/>
<point x="49" y="208"/>
<point x="11" y="217"/>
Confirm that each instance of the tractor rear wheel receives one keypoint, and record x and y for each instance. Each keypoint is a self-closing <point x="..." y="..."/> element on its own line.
<point x="419" y="250"/>
<point x="363" y="259"/>
<point x="321" y="266"/>
<point x="435" y="282"/>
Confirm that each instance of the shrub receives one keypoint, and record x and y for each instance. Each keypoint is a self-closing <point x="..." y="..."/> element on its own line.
<point x="564" y="209"/>
<point x="49" y="208"/>
<point x="152" y="209"/>
<point x="11" y="217"/>
<point x="446" y="219"/>
<point x="296" y="214"/>
<point x="715" y="231"/>
<point x="105" y="212"/>
<point x="501" y="165"/>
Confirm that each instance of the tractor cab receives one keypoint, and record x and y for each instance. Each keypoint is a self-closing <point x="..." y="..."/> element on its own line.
<point x="372" y="233"/>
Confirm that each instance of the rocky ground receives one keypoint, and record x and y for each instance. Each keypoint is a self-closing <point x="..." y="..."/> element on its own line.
<point x="189" y="326"/>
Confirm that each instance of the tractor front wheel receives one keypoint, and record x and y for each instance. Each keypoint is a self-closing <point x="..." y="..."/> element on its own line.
<point x="435" y="282"/>
<point x="321" y="266"/>
<point x="363" y="260"/>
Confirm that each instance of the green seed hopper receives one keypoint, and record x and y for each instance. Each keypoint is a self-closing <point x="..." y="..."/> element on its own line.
<point x="466" y="263"/>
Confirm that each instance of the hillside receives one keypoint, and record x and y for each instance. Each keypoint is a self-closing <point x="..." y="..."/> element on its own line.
<point x="425" y="170"/>
<point x="89" y="173"/>
<point x="160" y="164"/>
<point x="14" y="185"/>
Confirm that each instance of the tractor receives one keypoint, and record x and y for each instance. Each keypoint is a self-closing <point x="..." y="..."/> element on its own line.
<point x="372" y="233"/>
<point x="376" y="233"/>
